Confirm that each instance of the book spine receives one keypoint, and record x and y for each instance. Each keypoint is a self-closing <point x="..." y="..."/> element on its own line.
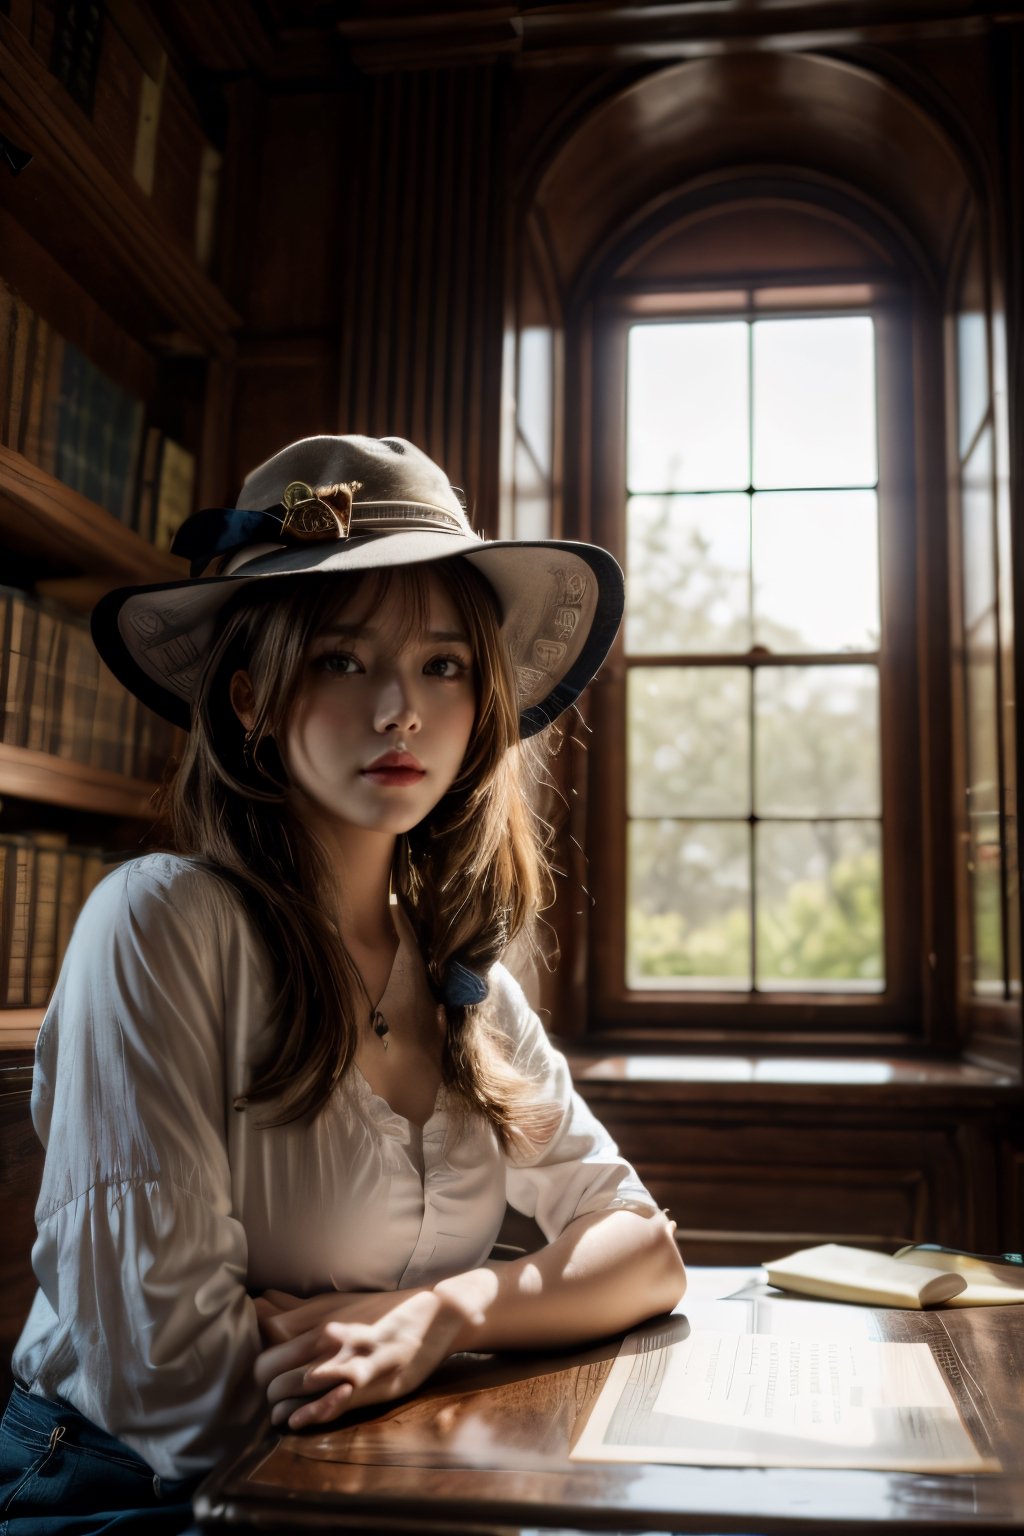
<point x="151" y="97"/>
<point x="49" y="428"/>
<point x="67" y="467"/>
<point x="28" y="367"/>
<point x="7" y="600"/>
<point x="70" y="899"/>
<point x="77" y="40"/>
<point x="19" y="677"/>
<point x="32" y="433"/>
<point x="41" y="962"/>
<point x="7" y="320"/>
<point x="174" y="493"/>
<point x="17" y="963"/>
<point x="91" y="432"/>
<point x="43" y="662"/>
<point x="8" y="854"/>
<point x="19" y="337"/>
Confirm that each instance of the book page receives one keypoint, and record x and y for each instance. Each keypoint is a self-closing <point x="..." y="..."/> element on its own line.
<point x="988" y="1283"/>
<point x="769" y="1400"/>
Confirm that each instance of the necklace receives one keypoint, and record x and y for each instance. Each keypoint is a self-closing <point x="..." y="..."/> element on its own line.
<point x="378" y="1023"/>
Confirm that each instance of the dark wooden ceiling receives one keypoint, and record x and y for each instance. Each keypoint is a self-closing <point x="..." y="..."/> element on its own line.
<point x="295" y="39"/>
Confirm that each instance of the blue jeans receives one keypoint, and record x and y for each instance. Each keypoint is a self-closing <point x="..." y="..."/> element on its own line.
<point x="62" y="1476"/>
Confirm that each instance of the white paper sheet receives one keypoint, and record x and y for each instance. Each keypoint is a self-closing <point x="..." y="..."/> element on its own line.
<point x="770" y="1400"/>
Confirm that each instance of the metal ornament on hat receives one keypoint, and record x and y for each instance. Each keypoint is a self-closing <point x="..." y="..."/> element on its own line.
<point x="314" y="515"/>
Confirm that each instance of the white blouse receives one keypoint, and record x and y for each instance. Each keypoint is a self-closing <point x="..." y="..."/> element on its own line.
<point x="163" y="1208"/>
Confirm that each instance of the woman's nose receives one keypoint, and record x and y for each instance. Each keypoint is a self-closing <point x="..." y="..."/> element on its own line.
<point x="396" y="708"/>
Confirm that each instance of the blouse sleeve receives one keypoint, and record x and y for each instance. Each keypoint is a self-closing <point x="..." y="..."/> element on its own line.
<point x="139" y="1254"/>
<point x="577" y="1170"/>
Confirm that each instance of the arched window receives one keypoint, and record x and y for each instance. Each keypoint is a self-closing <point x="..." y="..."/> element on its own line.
<point x="756" y="338"/>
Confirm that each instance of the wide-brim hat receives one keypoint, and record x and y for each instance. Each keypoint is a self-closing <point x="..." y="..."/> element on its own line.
<point x="328" y="504"/>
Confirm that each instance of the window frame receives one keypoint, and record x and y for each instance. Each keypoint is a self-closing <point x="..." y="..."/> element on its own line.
<point x="894" y="1018"/>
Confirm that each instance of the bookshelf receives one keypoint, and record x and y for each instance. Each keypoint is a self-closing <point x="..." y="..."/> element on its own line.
<point x="96" y="219"/>
<point x="19" y="1027"/>
<point x="44" y="519"/>
<point x="113" y="260"/>
<point x="56" y="781"/>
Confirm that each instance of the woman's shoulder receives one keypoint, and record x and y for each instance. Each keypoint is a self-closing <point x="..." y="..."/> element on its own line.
<point x="162" y="883"/>
<point x="508" y="1008"/>
<point x="504" y="992"/>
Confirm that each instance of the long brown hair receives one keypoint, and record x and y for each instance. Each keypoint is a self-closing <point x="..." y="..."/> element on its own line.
<point x="471" y="877"/>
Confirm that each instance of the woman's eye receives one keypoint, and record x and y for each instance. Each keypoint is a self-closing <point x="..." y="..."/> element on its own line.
<point x="446" y="666"/>
<point x="336" y="662"/>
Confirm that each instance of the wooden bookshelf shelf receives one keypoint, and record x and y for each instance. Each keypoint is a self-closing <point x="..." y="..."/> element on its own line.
<point x="90" y="213"/>
<point x="19" y="1027"/>
<point x="41" y="516"/>
<point x="56" y="781"/>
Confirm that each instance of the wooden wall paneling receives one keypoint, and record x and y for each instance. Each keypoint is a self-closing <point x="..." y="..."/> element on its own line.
<point x="301" y="216"/>
<point x="421" y="324"/>
<point x="235" y="252"/>
<point x="741" y="1179"/>
<point x="214" y="484"/>
<point x="977" y="1154"/>
<point x="1011" y="1193"/>
<point x="285" y="388"/>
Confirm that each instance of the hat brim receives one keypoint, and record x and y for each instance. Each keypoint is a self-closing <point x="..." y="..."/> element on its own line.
<point x="561" y="603"/>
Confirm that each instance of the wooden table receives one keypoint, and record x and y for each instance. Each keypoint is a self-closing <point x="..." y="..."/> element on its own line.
<point x="484" y="1448"/>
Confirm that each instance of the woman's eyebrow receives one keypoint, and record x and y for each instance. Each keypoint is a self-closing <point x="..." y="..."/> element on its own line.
<point x="351" y="631"/>
<point x="447" y="636"/>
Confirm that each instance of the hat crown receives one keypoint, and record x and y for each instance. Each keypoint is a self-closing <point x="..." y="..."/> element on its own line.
<point x="388" y="471"/>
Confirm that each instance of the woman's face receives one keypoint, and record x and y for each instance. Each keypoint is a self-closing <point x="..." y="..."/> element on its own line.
<point x="380" y="726"/>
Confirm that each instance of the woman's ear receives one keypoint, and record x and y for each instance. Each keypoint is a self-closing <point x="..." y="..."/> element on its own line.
<point x="243" y="700"/>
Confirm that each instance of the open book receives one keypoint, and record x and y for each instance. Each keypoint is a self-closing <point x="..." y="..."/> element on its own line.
<point x="920" y="1275"/>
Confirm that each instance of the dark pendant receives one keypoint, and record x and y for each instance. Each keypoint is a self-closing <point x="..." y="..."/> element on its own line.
<point x="379" y="1025"/>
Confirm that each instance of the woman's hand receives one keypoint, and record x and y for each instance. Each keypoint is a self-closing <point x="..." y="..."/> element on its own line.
<point x="275" y="1311"/>
<point x="606" y="1272"/>
<point x="348" y="1350"/>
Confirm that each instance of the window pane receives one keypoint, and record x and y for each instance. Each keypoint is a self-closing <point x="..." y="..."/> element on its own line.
<point x="688" y="574"/>
<point x="986" y="876"/>
<point x="814" y="403"/>
<point x="816" y="741"/>
<point x="687" y="407"/>
<point x="689" y="741"/>
<point x="977" y="511"/>
<point x="1008" y="703"/>
<point x="971" y="350"/>
<point x="815" y="558"/>
<point x="819" y="906"/>
<point x="982" y="710"/>
<point x="688" y="921"/>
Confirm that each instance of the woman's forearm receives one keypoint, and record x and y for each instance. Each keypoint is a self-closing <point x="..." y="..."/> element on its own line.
<point x="604" y="1273"/>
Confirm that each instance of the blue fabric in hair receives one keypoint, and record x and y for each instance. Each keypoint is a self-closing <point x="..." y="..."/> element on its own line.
<point x="462" y="987"/>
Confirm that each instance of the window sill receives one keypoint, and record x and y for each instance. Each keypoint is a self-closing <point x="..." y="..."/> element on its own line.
<point x="750" y="1077"/>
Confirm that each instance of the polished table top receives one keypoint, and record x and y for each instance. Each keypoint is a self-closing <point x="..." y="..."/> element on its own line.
<point x="484" y="1447"/>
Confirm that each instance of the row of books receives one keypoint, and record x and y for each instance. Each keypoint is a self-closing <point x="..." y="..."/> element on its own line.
<point x="56" y="696"/>
<point x="43" y="885"/>
<point x="67" y="417"/>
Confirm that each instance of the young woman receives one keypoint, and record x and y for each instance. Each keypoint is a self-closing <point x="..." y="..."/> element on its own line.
<point x="285" y="1085"/>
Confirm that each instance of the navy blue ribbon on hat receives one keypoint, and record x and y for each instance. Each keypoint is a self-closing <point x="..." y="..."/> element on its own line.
<point x="223" y="530"/>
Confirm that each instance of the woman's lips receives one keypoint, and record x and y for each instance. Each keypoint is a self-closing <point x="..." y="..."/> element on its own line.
<point x="394" y="770"/>
<point x="394" y="777"/>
